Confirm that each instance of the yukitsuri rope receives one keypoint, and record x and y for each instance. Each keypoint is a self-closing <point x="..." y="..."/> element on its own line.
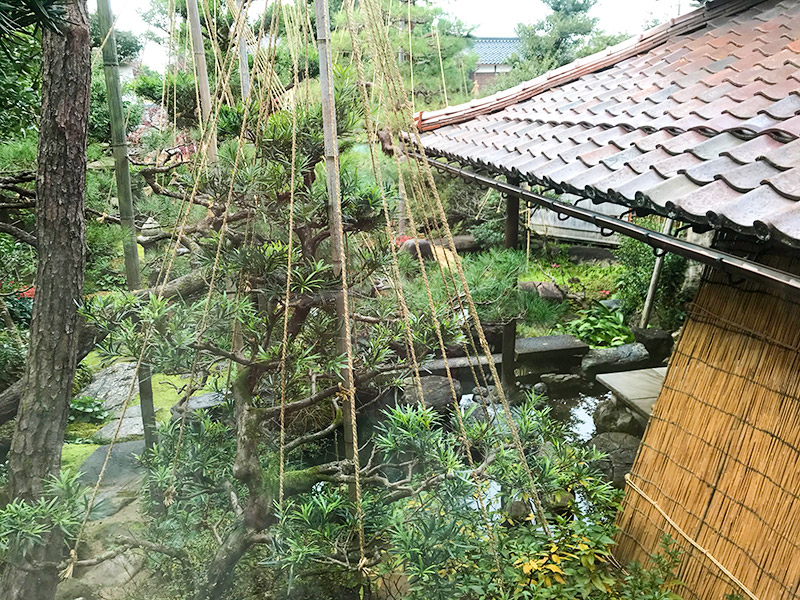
<point x="348" y="7"/>
<point x="689" y="539"/>
<point x="393" y="77"/>
<point x="290" y="235"/>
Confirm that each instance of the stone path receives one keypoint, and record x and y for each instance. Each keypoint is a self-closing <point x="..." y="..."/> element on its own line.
<point x="638" y="389"/>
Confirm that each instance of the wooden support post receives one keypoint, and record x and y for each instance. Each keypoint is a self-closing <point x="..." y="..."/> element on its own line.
<point x="201" y="72"/>
<point x="334" y="216"/>
<point x="651" y="291"/>
<point x="508" y="366"/>
<point x="512" y="218"/>
<point x="119" y="148"/>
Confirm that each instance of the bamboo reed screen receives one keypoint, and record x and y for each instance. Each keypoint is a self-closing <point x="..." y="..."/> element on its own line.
<point x="721" y="454"/>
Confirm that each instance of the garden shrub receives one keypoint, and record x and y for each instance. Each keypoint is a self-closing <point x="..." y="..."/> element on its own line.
<point x="86" y="409"/>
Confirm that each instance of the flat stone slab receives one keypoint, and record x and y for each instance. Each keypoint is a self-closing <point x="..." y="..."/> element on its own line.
<point x="637" y="389"/>
<point x="459" y="362"/>
<point x="111" y="385"/>
<point x="132" y="427"/>
<point x="547" y="346"/>
<point x="526" y="349"/>
<point x="123" y="468"/>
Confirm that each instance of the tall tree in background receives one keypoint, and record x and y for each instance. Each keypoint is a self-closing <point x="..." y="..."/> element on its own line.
<point x="564" y="35"/>
<point x="61" y="181"/>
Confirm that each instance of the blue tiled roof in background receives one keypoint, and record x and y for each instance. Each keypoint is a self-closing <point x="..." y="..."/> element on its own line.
<point x="494" y="50"/>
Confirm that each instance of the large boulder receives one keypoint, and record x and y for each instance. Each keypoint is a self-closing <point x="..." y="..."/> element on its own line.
<point x="626" y="357"/>
<point x="435" y="392"/>
<point x="111" y="385"/>
<point x="611" y="416"/>
<point x="208" y="402"/>
<point x="410" y="248"/>
<point x="560" y="385"/>
<point x="547" y="290"/>
<point x="620" y="450"/>
<point x="657" y="341"/>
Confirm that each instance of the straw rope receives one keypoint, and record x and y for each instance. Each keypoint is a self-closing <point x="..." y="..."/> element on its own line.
<point x="392" y="78"/>
<point x="290" y="234"/>
<point x="398" y="286"/>
<point x="686" y="536"/>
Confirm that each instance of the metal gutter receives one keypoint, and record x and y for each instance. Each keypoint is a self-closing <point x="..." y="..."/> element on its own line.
<point x="721" y="260"/>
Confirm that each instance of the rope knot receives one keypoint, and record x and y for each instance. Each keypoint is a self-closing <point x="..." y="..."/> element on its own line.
<point x="169" y="496"/>
<point x="67" y="572"/>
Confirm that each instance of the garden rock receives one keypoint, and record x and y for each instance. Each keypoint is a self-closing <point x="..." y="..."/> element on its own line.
<point x="111" y="385"/>
<point x="436" y="392"/>
<point x="611" y="416"/>
<point x="540" y="389"/>
<point x="582" y="254"/>
<point x="207" y="401"/>
<point x="620" y="449"/>
<point x="562" y="384"/>
<point x="488" y="394"/>
<point x="657" y="341"/>
<point x="150" y="228"/>
<point x="131" y="427"/>
<point x="425" y="249"/>
<point x="620" y="358"/>
<point x="547" y="290"/>
<point x="612" y="303"/>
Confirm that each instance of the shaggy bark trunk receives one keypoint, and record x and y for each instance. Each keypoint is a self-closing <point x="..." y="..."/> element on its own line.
<point x="247" y="469"/>
<point x="47" y="384"/>
<point x="221" y="569"/>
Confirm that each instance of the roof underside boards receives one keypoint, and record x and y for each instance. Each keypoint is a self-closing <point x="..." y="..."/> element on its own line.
<point x="704" y="126"/>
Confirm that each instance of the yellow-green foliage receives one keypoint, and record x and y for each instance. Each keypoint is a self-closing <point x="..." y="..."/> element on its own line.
<point x="74" y="455"/>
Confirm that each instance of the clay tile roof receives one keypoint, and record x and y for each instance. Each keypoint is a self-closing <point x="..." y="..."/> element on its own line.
<point x="698" y="118"/>
<point x="494" y="50"/>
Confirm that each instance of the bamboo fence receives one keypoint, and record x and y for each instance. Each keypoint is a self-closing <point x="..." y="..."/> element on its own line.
<point x="721" y="454"/>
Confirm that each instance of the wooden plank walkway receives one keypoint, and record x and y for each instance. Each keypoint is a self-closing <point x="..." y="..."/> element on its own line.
<point x="637" y="389"/>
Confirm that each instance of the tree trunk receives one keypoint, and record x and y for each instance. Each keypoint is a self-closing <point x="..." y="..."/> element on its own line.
<point x="47" y="384"/>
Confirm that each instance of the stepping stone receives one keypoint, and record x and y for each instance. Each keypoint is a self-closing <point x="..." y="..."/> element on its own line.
<point x="111" y="385"/>
<point x="637" y="389"/>
<point x="131" y="427"/>
<point x="123" y="468"/>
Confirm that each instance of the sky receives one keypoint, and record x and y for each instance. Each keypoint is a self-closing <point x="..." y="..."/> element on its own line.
<point x="614" y="16"/>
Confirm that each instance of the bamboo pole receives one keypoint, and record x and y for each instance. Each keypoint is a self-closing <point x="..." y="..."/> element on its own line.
<point x="651" y="291"/>
<point x="244" y="66"/>
<point x="201" y="72"/>
<point x="123" y="177"/>
<point x="507" y="369"/>
<point x="334" y="216"/>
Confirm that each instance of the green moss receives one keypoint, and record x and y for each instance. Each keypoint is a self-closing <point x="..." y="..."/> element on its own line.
<point x="74" y="455"/>
<point x="93" y="360"/>
<point x="82" y="430"/>
<point x="593" y="277"/>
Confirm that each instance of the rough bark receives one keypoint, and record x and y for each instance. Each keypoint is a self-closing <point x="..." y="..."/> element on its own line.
<point x="47" y="384"/>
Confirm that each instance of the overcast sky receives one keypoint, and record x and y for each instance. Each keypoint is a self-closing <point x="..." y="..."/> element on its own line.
<point x="489" y="17"/>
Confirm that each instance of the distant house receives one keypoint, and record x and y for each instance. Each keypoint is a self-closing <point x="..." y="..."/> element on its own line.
<point x="494" y="54"/>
